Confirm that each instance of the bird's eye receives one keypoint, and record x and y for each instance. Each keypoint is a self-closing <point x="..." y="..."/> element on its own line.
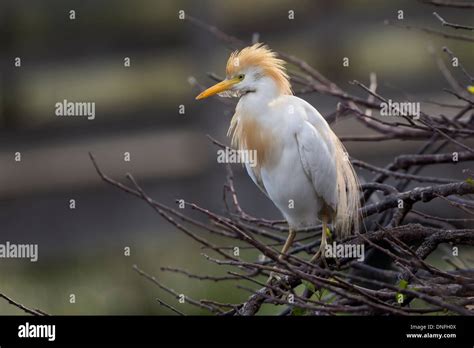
<point x="241" y="77"/>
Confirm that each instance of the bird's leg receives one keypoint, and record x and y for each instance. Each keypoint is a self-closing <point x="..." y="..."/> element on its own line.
<point x="322" y="246"/>
<point x="284" y="250"/>
<point x="287" y="245"/>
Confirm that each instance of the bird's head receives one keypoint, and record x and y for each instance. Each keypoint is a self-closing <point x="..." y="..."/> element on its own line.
<point x="252" y="69"/>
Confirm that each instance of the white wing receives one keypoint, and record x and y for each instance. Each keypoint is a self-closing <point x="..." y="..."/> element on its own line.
<point x="258" y="181"/>
<point x="318" y="158"/>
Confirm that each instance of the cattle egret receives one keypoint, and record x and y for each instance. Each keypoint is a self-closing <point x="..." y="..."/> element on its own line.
<point x="301" y="164"/>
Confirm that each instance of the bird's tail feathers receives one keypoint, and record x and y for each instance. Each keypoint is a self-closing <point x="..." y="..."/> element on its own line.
<point x="348" y="186"/>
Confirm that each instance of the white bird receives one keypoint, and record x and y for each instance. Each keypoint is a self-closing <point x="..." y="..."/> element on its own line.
<point x="301" y="164"/>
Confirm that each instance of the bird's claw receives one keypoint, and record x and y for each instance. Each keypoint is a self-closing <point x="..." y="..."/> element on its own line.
<point x="319" y="256"/>
<point x="272" y="279"/>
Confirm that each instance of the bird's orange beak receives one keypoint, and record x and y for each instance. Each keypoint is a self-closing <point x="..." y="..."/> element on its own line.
<point x="217" y="88"/>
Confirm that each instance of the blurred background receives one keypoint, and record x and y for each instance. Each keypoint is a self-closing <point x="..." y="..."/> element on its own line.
<point x="81" y="250"/>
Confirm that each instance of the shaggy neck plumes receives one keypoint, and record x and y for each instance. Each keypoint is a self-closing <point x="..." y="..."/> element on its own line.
<point x="261" y="57"/>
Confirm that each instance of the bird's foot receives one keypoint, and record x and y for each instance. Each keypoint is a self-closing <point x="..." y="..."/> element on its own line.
<point x="274" y="277"/>
<point x="271" y="283"/>
<point x="319" y="257"/>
